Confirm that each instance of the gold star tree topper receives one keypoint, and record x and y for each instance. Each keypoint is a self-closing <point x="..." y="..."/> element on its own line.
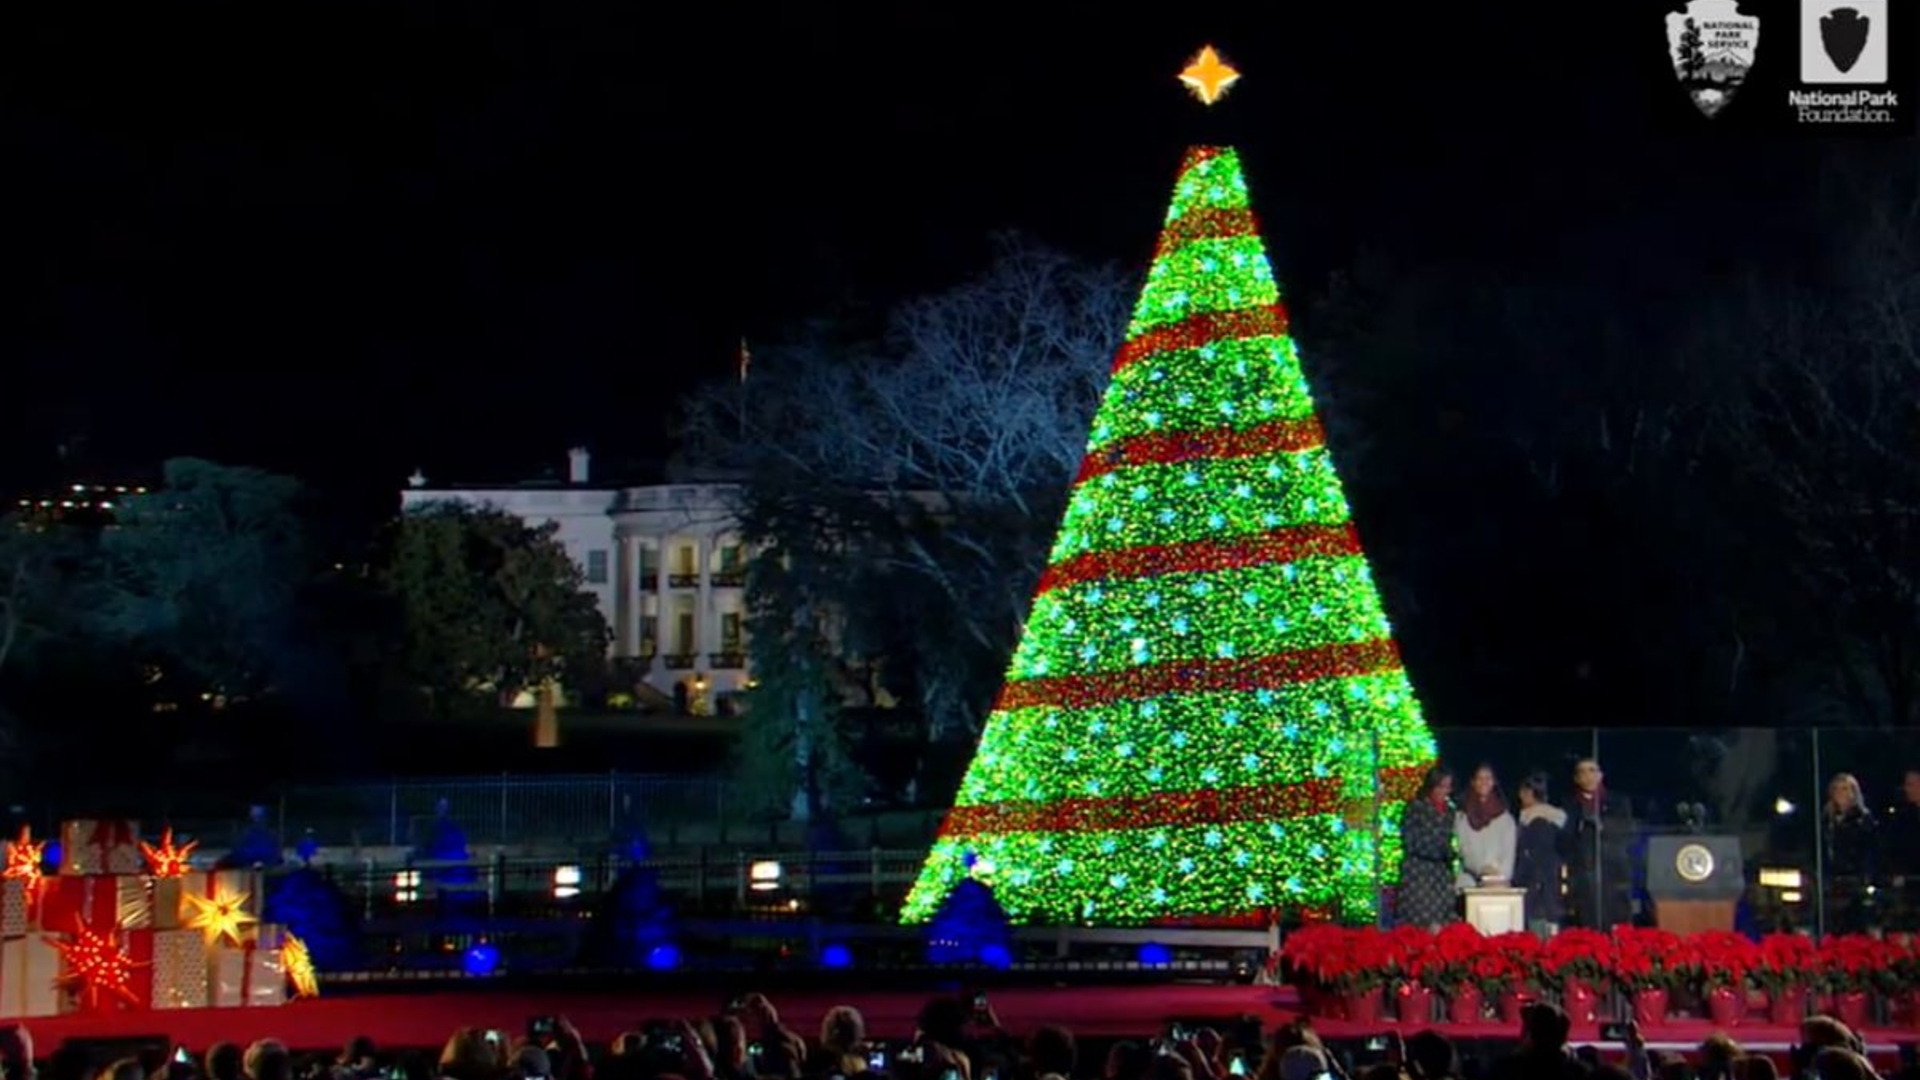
<point x="1209" y="77"/>
<point x="221" y="917"/>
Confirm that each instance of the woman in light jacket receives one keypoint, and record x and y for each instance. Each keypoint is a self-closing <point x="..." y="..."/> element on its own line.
<point x="1486" y="832"/>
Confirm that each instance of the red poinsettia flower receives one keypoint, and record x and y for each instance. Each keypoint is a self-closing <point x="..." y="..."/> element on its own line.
<point x="1577" y="955"/>
<point x="1723" y="960"/>
<point x="1858" y="963"/>
<point x="1786" y="962"/>
<point x="1647" y="958"/>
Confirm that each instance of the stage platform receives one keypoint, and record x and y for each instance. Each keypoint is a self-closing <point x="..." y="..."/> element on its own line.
<point x="424" y="1017"/>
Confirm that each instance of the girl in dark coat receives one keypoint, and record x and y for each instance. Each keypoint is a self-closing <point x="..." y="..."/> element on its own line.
<point x="1537" y="863"/>
<point x="1426" y="893"/>
<point x="1599" y="842"/>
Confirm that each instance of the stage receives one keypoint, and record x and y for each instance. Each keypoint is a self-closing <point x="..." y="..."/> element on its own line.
<point x="425" y="1017"/>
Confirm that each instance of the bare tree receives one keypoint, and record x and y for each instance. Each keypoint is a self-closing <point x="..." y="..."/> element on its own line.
<point x="923" y="471"/>
<point x="1827" y="425"/>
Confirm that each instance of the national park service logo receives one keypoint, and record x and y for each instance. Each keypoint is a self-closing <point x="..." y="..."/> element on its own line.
<point x="1713" y="45"/>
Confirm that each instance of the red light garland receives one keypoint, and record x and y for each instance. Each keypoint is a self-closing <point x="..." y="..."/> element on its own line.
<point x="1206" y="328"/>
<point x="1210" y="224"/>
<point x="1202" y="676"/>
<point x="1203" y="556"/>
<point x="1173" y="448"/>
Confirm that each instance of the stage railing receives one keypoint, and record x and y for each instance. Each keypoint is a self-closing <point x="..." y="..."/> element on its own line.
<point x="1764" y="786"/>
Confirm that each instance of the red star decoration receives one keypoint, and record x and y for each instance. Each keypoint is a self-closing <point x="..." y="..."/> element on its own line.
<point x="96" y="966"/>
<point x="24" y="858"/>
<point x="166" y="860"/>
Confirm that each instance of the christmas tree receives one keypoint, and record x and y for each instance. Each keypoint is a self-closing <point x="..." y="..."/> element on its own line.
<point x="1206" y="715"/>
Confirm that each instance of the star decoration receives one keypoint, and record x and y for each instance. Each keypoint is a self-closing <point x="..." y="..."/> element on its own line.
<point x="1209" y="77"/>
<point x="222" y="916"/>
<point x="166" y="860"/>
<point x="24" y="858"/>
<point x="299" y="964"/>
<point x="96" y="966"/>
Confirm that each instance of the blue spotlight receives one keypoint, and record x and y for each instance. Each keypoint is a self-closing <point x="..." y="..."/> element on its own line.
<point x="996" y="956"/>
<point x="836" y="957"/>
<point x="482" y="959"/>
<point x="50" y="857"/>
<point x="1154" y="954"/>
<point x="664" y="957"/>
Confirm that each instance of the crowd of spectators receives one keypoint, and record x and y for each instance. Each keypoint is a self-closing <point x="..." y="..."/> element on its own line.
<point x="962" y="1039"/>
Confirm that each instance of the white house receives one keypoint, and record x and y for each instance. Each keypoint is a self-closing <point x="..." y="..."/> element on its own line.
<point x="664" y="562"/>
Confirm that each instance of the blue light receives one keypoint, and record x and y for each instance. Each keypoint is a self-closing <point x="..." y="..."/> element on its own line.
<point x="664" y="957"/>
<point x="50" y="856"/>
<point x="482" y="959"/>
<point x="996" y="956"/>
<point x="836" y="957"/>
<point x="1154" y="954"/>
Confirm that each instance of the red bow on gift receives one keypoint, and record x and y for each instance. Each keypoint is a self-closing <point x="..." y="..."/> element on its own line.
<point x="108" y="835"/>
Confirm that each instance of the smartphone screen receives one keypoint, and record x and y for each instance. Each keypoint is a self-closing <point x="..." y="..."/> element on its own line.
<point x="180" y="1055"/>
<point x="1614" y="1032"/>
<point x="1238" y="1066"/>
<point x="877" y="1060"/>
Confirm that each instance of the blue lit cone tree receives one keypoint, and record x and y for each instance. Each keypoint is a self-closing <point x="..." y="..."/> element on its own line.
<point x="1207" y="709"/>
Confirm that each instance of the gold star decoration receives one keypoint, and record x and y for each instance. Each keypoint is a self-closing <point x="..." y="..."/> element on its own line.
<point x="299" y="964"/>
<point x="166" y="860"/>
<point x="24" y="858"/>
<point x="223" y="916"/>
<point x="1209" y="77"/>
<point x="96" y="966"/>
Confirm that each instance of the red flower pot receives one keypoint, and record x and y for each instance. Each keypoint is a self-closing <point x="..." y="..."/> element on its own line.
<point x="1649" y="1008"/>
<point x="1363" y="1006"/>
<point x="1511" y="1004"/>
<point x="1580" y="1003"/>
<point x="1850" y="1008"/>
<point x="1726" y="1006"/>
<point x="1466" y="1005"/>
<point x="1415" y="1005"/>
<point x="1913" y="1009"/>
<point x="1787" y="1007"/>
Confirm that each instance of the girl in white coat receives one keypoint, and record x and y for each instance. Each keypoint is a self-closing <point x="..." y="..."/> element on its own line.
<point x="1486" y="831"/>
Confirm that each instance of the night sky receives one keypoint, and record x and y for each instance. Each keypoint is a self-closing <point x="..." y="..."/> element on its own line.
<point x="346" y="239"/>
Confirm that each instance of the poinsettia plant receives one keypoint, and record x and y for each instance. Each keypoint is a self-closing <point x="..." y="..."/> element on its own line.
<point x="1449" y="966"/>
<point x="1786" y="962"/>
<point x="1647" y="958"/>
<point x="1576" y="955"/>
<point x="1521" y="954"/>
<point x="1903" y="971"/>
<point x="1723" y="960"/>
<point x="1307" y="953"/>
<point x="1858" y="963"/>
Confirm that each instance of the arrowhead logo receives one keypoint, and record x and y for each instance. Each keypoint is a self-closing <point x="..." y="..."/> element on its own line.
<point x="1712" y="44"/>
<point x="1843" y="34"/>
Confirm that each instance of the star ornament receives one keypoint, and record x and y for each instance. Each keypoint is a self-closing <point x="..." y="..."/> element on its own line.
<point x="1208" y="77"/>
<point x="167" y="860"/>
<point x="301" y="975"/>
<point x="221" y="917"/>
<point x="96" y="967"/>
<point x="25" y="857"/>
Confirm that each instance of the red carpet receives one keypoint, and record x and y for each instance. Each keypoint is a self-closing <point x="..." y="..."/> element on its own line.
<point x="425" y="1018"/>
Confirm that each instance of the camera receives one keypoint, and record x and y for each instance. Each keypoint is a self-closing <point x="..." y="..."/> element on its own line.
<point x="1615" y="1032"/>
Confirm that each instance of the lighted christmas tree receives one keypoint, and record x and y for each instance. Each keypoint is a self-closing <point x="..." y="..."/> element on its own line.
<point x="1207" y="714"/>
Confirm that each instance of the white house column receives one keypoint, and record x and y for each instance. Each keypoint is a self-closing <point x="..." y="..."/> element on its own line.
<point x="626" y="597"/>
<point x="706" y="624"/>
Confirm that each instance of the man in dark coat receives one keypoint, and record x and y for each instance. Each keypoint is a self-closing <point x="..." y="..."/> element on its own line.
<point x="1599" y="836"/>
<point x="1900" y="855"/>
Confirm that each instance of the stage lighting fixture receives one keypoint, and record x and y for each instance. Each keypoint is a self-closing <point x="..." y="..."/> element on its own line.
<point x="836" y="957"/>
<point x="481" y="959"/>
<point x="664" y="957"/>
<point x="406" y="886"/>
<point x="1154" y="954"/>
<point x="566" y="882"/>
<point x="996" y="956"/>
<point x="765" y="875"/>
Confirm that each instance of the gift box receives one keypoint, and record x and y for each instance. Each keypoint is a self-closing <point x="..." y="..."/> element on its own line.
<point x="30" y="978"/>
<point x="248" y="976"/>
<point x="19" y="905"/>
<point x="101" y="847"/>
<point x="172" y="910"/>
<point x="104" y="902"/>
<point x="182" y="970"/>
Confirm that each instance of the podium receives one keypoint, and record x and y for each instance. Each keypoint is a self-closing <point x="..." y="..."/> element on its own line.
<point x="1497" y="909"/>
<point x="1696" y="882"/>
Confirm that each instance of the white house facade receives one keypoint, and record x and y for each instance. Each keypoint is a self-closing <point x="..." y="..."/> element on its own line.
<point x="664" y="562"/>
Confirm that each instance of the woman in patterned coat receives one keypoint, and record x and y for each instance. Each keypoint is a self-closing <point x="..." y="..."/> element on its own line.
<point x="1426" y="893"/>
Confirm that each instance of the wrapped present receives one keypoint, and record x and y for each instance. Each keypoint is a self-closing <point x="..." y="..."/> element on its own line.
<point x="98" y="901"/>
<point x="101" y="847"/>
<point x="248" y="976"/>
<point x="173" y="911"/>
<point x="19" y="905"/>
<point x="182" y="970"/>
<point x="30" y="978"/>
